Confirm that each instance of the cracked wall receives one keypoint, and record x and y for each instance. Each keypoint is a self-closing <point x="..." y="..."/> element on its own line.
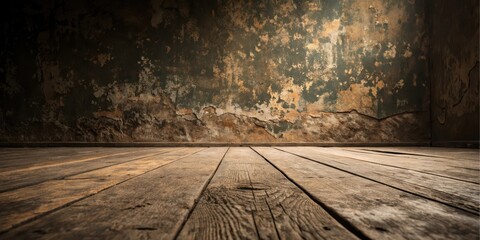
<point x="455" y="71"/>
<point x="215" y="71"/>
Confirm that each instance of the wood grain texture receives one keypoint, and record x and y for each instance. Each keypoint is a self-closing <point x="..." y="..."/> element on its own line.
<point x="53" y="159"/>
<point x="30" y="154"/>
<point x="463" y="195"/>
<point x="248" y="198"/>
<point x="379" y="211"/>
<point x="57" y="157"/>
<point x="29" y="202"/>
<point x="466" y="170"/>
<point x="152" y="205"/>
<point x="457" y="162"/>
<point x="457" y="154"/>
<point x="10" y="180"/>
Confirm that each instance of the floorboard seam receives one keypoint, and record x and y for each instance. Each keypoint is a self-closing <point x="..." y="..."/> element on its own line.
<point x="273" y="217"/>
<point x="268" y="205"/>
<point x="382" y="183"/>
<point x="67" y="163"/>
<point x="429" y="173"/>
<point x="90" y="195"/>
<point x="408" y="169"/>
<point x="334" y="214"/>
<point x="390" y="153"/>
<point x="78" y="173"/>
<point x="254" y="209"/>
<point x="408" y="154"/>
<point x="22" y="168"/>
<point x="195" y="203"/>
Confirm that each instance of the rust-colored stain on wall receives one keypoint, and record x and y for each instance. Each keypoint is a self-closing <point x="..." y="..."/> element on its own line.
<point x="219" y="71"/>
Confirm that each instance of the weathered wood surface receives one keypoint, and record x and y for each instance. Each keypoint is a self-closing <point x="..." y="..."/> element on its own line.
<point x="466" y="170"/>
<point x="460" y="154"/>
<point x="28" y="154"/>
<point x="456" y="193"/>
<point x="10" y="180"/>
<point x="379" y="211"/>
<point x="29" y="202"/>
<point x="151" y="193"/>
<point x="458" y="162"/>
<point x="248" y="198"/>
<point x="58" y="156"/>
<point x="153" y="205"/>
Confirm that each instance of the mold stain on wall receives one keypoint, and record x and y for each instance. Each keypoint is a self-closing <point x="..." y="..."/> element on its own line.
<point x="215" y="71"/>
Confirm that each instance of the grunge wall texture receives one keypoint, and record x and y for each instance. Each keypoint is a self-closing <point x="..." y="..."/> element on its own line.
<point x="230" y="71"/>
<point x="455" y="72"/>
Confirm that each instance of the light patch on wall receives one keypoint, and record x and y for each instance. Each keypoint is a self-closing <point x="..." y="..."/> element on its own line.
<point x="356" y="98"/>
<point x="391" y="52"/>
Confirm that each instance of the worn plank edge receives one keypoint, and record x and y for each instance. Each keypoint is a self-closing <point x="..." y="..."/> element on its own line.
<point x="409" y="169"/>
<point x="475" y="213"/>
<point x="197" y="198"/>
<point x="76" y="173"/>
<point x="88" y="195"/>
<point x="63" y="162"/>
<point x="332" y="212"/>
<point x="398" y="153"/>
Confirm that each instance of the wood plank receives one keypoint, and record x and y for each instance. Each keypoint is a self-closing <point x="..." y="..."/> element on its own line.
<point x="458" y="161"/>
<point x="27" y="153"/>
<point x="248" y="198"/>
<point x="453" y="162"/>
<point x="18" y="178"/>
<point x="153" y="205"/>
<point x="27" y="203"/>
<point x="58" y="157"/>
<point x="444" y="169"/>
<point x="379" y="211"/>
<point x="5" y="152"/>
<point x="39" y="155"/>
<point x="9" y="149"/>
<point x="460" y="154"/>
<point x="455" y="193"/>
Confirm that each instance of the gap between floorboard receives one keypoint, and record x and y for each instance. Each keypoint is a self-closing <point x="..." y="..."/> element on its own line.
<point x="42" y="214"/>
<point x="32" y="183"/>
<point x="332" y="212"/>
<point x="382" y="183"/>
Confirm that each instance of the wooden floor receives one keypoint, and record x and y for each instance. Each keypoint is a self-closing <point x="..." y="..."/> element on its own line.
<point x="239" y="193"/>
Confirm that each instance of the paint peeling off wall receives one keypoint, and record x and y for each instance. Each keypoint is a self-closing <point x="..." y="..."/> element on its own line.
<point x="455" y="71"/>
<point x="215" y="71"/>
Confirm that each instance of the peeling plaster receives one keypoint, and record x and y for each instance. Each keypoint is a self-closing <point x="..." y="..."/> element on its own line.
<point x="240" y="71"/>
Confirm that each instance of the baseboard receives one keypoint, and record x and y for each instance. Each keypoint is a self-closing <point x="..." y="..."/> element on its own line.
<point x="209" y="144"/>
<point x="456" y="144"/>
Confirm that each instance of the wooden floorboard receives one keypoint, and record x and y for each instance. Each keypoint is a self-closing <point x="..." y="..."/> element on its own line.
<point x="248" y="198"/>
<point x="434" y="152"/>
<point x="423" y="159"/>
<point x="377" y="210"/>
<point x="10" y="180"/>
<point x="239" y="193"/>
<point x="150" y="206"/>
<point x="460" y="194"/>
<point x="30" y="202"/>
<point x="30" y="154"/>
<point x="55" y="158"/>
<point x="46" y="159"/>
<point x="467" y="170"/>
